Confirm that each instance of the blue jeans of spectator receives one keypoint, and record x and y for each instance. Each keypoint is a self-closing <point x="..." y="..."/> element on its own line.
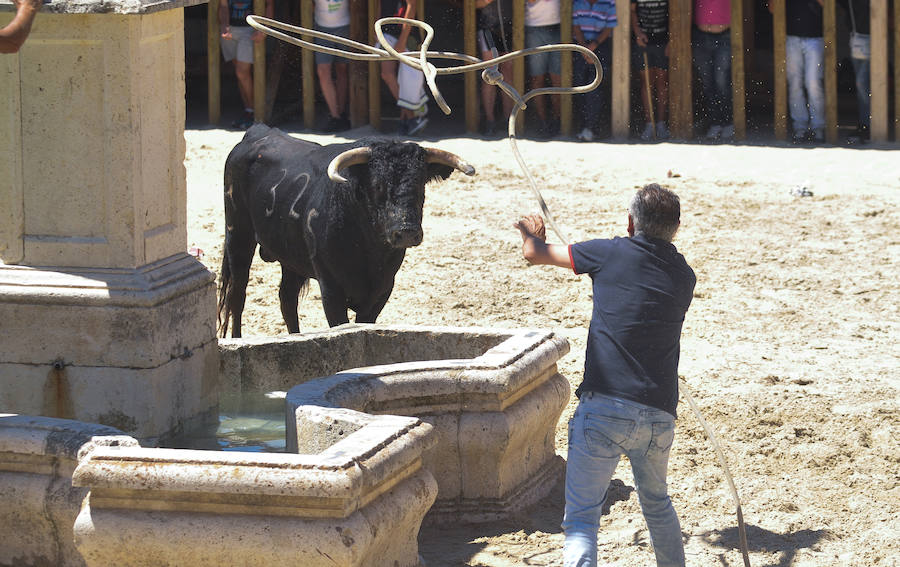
<point x="860" y="51"/>
<point x="712" y="58"/>
<point x="805" y="75"/>
<point x="602" y="430"/>
<point x="594" y="102"/>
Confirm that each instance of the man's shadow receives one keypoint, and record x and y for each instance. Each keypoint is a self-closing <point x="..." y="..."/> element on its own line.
<point x="760" y="540"/>
<point x="456" y="544"/>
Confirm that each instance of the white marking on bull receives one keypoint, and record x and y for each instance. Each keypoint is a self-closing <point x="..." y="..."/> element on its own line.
<point x="294" y="214"/>
<point x="312" y="235"/>
<point x="272" y="190"/>
<point x="229" y="227"/>
<point x="230" y="193"/>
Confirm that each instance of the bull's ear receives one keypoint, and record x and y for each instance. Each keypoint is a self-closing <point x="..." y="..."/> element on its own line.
<point x="438" y="171"/>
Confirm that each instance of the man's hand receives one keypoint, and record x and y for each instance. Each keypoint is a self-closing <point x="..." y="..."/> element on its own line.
<point x="28" y="4"/>
<point x="532" y="225"/>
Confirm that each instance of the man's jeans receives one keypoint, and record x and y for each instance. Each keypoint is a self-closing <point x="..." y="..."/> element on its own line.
<point x="597" y="100"/>
<point x="602" y="430"/>
<point x="806" y="73"/>
<point x="712" y="58"/>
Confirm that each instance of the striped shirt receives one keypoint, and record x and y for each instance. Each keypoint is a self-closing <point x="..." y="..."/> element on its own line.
<point x="594" y="17"/>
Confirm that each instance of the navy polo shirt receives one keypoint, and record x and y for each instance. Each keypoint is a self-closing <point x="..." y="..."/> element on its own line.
<point x="642" y="290"/>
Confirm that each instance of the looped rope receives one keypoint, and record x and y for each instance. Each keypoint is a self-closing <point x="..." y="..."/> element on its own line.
<point x="490" y="72"/>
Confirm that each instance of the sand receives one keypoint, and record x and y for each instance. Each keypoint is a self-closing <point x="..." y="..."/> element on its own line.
<point x="790" y="347"/>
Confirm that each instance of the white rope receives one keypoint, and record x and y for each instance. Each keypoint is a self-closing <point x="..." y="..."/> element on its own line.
<point x="491" y="75"/>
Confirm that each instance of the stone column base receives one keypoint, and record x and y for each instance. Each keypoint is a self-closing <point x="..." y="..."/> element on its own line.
<point x="134" y="349"/>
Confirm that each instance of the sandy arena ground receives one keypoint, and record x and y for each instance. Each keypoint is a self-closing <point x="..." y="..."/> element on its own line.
<point x="790" y="347"/>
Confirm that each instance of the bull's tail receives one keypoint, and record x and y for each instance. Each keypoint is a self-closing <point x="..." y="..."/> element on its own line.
<point x="223" y="313"/>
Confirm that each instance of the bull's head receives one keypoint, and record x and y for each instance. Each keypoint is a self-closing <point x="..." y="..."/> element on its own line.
<point x="391" y="176"/>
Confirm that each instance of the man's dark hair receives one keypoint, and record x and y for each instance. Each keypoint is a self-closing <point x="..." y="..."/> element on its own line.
<point x="656" y="212"/>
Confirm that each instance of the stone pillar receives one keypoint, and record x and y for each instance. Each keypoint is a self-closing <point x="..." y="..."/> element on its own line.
<point x="104" y="317"/>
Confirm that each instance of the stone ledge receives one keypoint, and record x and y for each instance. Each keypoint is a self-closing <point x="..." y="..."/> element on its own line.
<point x="121" y="7"/>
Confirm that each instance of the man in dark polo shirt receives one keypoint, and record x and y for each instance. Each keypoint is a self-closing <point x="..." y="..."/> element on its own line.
<point x="642" y="289"/>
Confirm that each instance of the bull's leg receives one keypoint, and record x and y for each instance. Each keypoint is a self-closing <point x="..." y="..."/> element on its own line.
<point x="334" y="302"/>
<point x="288" y="294"/>
<point x="240" y="246"/>
<point x="369" y="313"/>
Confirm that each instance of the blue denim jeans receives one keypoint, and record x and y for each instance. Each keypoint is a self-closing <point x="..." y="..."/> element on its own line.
<point x="805" y="76"/>
<point x="602" y="430"/>
<point x="712" y="58"/>
<point x="596" y="101"/>
<point x="860" y="52"/>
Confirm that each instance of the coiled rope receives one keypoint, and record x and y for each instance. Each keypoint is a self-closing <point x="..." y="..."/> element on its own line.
<point x="490" y="73"/>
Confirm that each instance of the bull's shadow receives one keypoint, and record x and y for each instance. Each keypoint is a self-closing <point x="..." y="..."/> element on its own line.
<point x="761" y="540"/>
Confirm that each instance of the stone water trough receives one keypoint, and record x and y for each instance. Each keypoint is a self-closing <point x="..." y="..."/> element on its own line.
<point x="387" y="427"/>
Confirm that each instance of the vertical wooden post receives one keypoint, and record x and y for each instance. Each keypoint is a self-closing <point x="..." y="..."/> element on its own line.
<point x="308" y="67"/>
<point x="738" y="72"/>
<point x="259" y="69"/>
<point x="358" y="70"/>
<point x="620" y="79"/>
<point x="879" y="70"/>
<point x="779" y="38"/>
<point x="518" y="43"/>
<point x="472" y="78"/>
<point x="213" y="63"/>
<point x="897" y="70"/>
<point x="374" y="71"/>
<point x="681" y="111"/>
<point x="565" y="36"/>
<point x="829" y="33"/>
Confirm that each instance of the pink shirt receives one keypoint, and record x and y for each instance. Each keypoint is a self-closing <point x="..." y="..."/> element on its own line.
<point x="712" y="12"/>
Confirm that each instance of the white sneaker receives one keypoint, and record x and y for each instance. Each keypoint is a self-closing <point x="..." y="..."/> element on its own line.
<point x="662" y="132"/>
<point x="648" y="132"/>
<point x="714" y="132"/>
<point x="586" y="135"/>
<point x="728" y="132"/>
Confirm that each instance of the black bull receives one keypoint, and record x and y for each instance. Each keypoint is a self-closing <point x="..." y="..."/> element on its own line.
<point x="348" y="230"/>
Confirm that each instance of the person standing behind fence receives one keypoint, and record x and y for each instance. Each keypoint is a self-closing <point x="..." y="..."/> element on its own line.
<point x="237" y="44"/>
<point x="642" y="288"/>
<point x="804" y="56"/>
<point x="494" y="38"/>
<point x="406" y="84"/>
<point x="333" y="17"/>
<point x="712" y="59"/>
<point x="650" y="25"/>
<point x="860" y="52"/>
<point x="14" y="34"/>
<point x="542" y="28"/>
<point x="592" y="24"/>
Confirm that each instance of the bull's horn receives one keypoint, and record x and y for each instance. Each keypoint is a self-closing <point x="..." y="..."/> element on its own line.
<point x="433" y="155"/>
<point x="346" y="159"/>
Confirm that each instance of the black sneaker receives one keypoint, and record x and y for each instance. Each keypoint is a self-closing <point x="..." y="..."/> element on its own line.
<point x="416" y="125"/>
<point x="490" y="129"/>
<point x="334" y="124"/>
<point x="403" y="127"/>
<point x="243" y="122"/>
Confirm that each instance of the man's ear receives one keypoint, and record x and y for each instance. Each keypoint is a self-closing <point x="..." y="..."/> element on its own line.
<point x="630" y="225"/>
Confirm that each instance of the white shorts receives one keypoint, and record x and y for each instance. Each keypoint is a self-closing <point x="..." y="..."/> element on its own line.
<point x="241" y="46"/>
<point x="411" y="83"/>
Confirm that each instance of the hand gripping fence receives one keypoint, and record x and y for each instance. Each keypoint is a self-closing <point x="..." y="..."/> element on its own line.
<point x="490" y="73"/>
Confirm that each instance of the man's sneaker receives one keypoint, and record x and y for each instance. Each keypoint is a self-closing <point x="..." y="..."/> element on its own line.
<point x="662" y="131"/>
<point x="818" y="135"/>
<point x="416" y="125"/>
<point x="728" y="132"/>
<point x="244" y="122"/>
<point x="403" y="127"/>
<point x="586" y="135"/>
<point x="800" y="136"/>
<point x="490" y="128"/>
<point x="714" y="133"/>
<point x="648" y="133"/>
